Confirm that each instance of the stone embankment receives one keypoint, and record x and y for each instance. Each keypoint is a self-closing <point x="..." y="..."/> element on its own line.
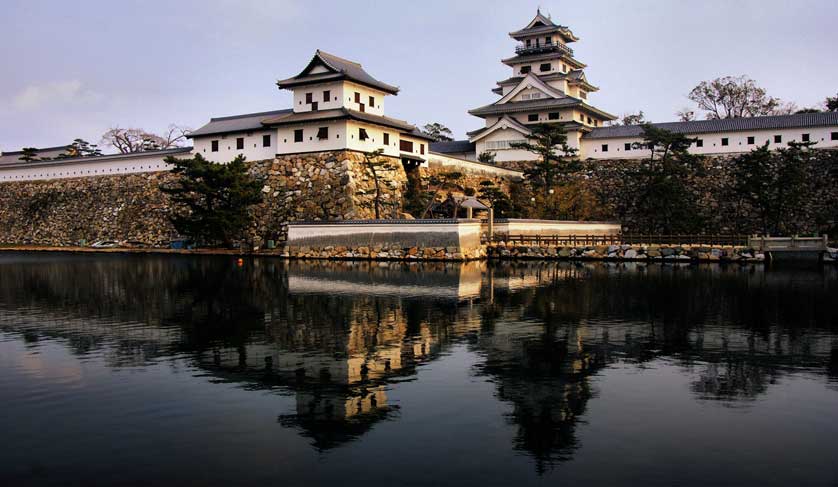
<point x="660" y="253"/>
<point x="385" y="252"/>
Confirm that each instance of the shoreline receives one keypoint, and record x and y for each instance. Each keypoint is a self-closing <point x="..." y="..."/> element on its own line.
<point x="523" y="253"/>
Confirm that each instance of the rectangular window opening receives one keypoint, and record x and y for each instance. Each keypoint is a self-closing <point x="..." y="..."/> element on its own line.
<point x="240" y="143"/>
<point x="386" y="139"/>
<point x="604" y="147"/>
<point x="778" y="139"/>
<point x="327" y="95"/>
<point x="532" y="117"/>
<point x="266" y="140"/>
<point x="362" y="134"/>
<point x="725" y="141"/>
<point x="298" y="135"/>
<point x="751" y="140"/>
<point x="553" y="116"/>
<point x="214" y="146"/>
<point x="323" y="133"/>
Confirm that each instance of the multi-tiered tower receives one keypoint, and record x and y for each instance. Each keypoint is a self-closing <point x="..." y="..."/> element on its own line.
<point x="548" y="85"/>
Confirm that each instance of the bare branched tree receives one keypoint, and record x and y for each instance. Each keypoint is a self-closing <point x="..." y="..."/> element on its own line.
<point x="734" y="97"/>
<point x="131" y="140"/>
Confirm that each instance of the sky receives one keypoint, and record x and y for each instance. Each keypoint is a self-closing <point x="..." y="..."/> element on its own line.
<point x="73" y="69"/>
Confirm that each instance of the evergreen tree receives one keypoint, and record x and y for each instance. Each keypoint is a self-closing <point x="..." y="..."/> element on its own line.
<point x="211" y="199"/>
<point x="779" y="186"/>
<point x="29" y="154"/>
<point x="486" y="157"/>
<point x="832" y="103"/>
<point x="497" y="199"/>
<point x="438" y="132"/>
<point x="665" y="201"/>
<point x="80" y="148"/>
<point x="553" y="166"/>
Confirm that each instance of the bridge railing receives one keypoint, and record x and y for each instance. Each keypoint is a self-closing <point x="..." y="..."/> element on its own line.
<point x="623" y="239"/>
<point x="793" y="243"/>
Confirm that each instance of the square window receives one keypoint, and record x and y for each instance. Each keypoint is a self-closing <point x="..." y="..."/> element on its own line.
<point x="805" y="137"/>
<point x="725" y="141"/>
<point x="553" y="116"/>
<point x="298" y="135"/>
<point x="778" y="139"/>
<point x="386" y="139"/>
<point x="834" y="136"/>
<point x="308" y="98"/>
<point x="214" y="146"/>
<point x="362" y="134"/>
<point x="627" y="146"/>
<point x="544" y="67"/>
<point x="751" y="140"/>
<point x="323" y="133"/>
<point x="327" y="95"/>
<point x="266" y="140"/>
<point x="532" y="117"/>
<point x="240" y="143"/>
<point x="604" y="147"/>
<point x="699" y="143"/>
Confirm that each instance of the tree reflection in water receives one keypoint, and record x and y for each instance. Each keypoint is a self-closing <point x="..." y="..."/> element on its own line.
<point x="338" y="336"/>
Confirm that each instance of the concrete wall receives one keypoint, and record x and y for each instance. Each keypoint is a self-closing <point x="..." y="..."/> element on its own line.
<point x="549" y="227"/>
<point x="400" y="239"/>
<point x="446" y="162"/>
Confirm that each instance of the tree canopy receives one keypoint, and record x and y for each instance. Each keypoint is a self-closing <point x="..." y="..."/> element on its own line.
<point x="438" y="132"/>
<point x="735" y="97"/>
<point x="832" y="103"/>
<point x="212" y="200"/>
<point x="80" y="148"/>
<point x="556" y="157"/>
<point x="638" y="118"/>
<point x="131" y="140"/>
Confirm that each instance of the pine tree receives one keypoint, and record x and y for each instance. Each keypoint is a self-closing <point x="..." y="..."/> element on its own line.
<point x="29" y="154"/>
<point x="212" y="200"/>
<point x="553" y="165"/>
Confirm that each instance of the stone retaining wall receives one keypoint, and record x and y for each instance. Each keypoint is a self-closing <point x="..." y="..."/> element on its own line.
<point x="660" y="253"/>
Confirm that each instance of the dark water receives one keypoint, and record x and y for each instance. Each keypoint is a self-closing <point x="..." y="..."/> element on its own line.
<point x="168" y="370"/>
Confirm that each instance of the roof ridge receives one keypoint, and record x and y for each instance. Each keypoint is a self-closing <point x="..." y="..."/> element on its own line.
<point x="246" y="115"/>
<point x="328" y="54"/>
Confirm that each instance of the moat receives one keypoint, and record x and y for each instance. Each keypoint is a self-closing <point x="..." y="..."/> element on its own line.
<point x="163" y="369"/>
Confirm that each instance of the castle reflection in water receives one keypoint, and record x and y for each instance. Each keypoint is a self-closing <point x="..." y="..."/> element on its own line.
<point x="340" y="335"/>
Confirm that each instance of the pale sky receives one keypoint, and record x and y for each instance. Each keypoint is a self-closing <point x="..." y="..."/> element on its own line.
<point x="75" y="68"/>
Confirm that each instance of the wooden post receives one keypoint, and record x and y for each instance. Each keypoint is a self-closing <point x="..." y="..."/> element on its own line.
<point x="469" y="212"/>
<point x="491" y="229"/>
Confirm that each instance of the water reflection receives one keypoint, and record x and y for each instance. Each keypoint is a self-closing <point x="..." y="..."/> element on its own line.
<point x="339" y="337"/>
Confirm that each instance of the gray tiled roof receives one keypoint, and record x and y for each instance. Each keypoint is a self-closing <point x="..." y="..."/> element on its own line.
<point x="291" y="118"/>
<point x="340" y="69"/>
<point x="531" y="58"/>
<point x="799" y="120"/>
<point x="236" y="123"/>
<point x="103" y="158"/>
<point x="452" y="147"/>
<point x="545" y="103"/>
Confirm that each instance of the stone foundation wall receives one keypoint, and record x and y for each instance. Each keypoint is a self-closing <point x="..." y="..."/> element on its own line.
<point x="63" y="212"/>
<point x="652" y="253"/>
<point x="385" y="252"/>
<point x="322" y="186"/>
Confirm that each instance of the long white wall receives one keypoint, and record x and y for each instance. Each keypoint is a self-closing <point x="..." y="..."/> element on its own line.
<point x="712" y="142"/>
<point x="98" y="166"/>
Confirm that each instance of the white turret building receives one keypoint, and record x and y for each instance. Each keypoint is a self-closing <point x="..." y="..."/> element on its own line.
<point x="547" y="85"/>
<point x="337" y="106"/>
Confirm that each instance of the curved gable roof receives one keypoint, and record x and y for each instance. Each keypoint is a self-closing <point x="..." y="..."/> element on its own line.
<point x="505" y="122"/>
<point x="337" y="68"/>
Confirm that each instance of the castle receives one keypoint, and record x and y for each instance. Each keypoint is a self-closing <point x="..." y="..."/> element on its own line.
<point x="338" y="106"/>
